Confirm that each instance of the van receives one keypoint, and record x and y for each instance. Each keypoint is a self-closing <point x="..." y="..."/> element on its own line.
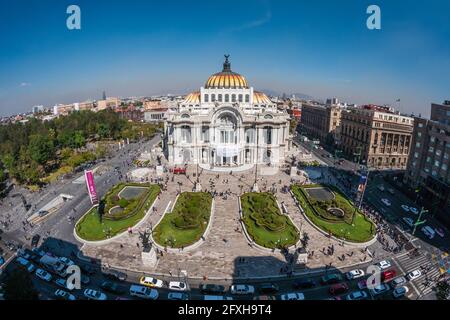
<point x="429" y="232"/>
<point x="27" y="264"/>
<point x="143" y="292"/>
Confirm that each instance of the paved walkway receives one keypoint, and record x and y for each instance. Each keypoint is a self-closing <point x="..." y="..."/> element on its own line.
<point x="225" y="252"/>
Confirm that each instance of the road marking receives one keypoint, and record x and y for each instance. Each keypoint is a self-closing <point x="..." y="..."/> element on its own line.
<point x="403" y="272"/>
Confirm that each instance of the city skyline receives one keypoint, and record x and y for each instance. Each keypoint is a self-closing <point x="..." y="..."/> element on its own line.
<point x="141" y="49"/>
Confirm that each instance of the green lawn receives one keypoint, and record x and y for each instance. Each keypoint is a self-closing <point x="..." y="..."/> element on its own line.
<point x="264" y="222"/>
<point x="187" y="222"/>
<point x="362" y="229"/>
<point x="90" y="228"/>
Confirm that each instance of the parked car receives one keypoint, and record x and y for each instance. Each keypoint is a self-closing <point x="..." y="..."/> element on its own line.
<point x="86" y="268"/>
<point x="242" y="289"/>
<point x="64" y="295"/>
<point x="268" y="288"/>
<point x="114" y="275"/>
<point x="26" y="264"/>
<point x="357" y="295"/>
<point x="92" y="294"/>
<point x="143" y="292"/>
<point x="35" y="240"/>
<point x="388" y="275"/>
<point x="399" y="281"/>
<point x="178" y="286"/>
<point x="177" y="296"/>
<point x="151" y="282"/>
<point x="428" y="231"/>
<point x="293" y="296"/>
<point x="414" y="275"/>
<point x="62" y="283"/>
<point x="85" y="279"/>
<point x="338" y="288"/>
<point x="409" y="222"/>
<point x="214" y="298"/>
<point x="66" y="261"/>
<point x="386" y="202"/>
<point x="211" y="288"/>
<point x="391" y="191"/>
<point x="305" y="283"/>
<point x="414" y="210"/>
<point x="362" y="284"/>
<point x="44" y="275"/>
<point x="355" y="274"/>
<point x="112" y="287"/>
<point x="2" y="260"/>
<point x="380" y="187"/>
<point x="400" y="292"/>
<point x="331" y="278"/>
<point x="440" y="232"/>
<point x="381" y="288"/>
<point x="384" y="264"/>
<point x="405" y="207"/>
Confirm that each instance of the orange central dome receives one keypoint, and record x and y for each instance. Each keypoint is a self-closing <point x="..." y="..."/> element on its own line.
<point x="226" y="79"/>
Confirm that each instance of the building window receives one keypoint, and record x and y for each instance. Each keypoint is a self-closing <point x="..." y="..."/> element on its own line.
<point x="247" y="98"/>
<point x="213" y="97"/>
<point x="227" y="98"/>
<point x="268" y="135"/>
<point x="206" y="97"/>
<point x="186" y="134"/>
<point x="431" y="149"/>
<point x="418" y="145"/>
<point x="233" y="98"/>
<point x="220" y="97"/>
<point x="240" y="97"/>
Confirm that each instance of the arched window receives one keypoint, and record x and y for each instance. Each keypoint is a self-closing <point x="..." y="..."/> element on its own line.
<point x="186" y="134"/>
<point x="213" y="97"/>
<point x="247" y="98"/>
<point x="227" y="98"/>
<point x="206" y="98"/>
<point x="267" y="135"/>
<point x="233" y="98"/>
<point x="220" y="97"/>
<point x="240" y="98"/>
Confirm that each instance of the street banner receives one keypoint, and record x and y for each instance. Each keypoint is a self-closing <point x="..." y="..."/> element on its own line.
<point x="362" y="183"/>
<point x="89" y="176"/>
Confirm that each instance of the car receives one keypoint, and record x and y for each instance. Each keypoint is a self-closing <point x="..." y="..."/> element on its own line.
<point x="331" y="278"/>
<point x="428" y="231"/>
<point x="380" y="289"/>
<point x="39" y="252"/>
<point x="44" y="275"/>
<point x="242" y="289"/>
<point x="440" y="232"/>
<point x="399" y="281"/>
<point x="400" y="292"/>
<point x="405" y="207"/>
<point x="414" y="210"/>
<point x="386" y="202"/>
<point x="268" y="288"/>
<point x="383" y="264"/>
<point x="211" y="288"/>
<point x="143" y="292"/>
<point x="112" y="287"/>
<point x="92" y="294"/>
<point x="414" y="275"/>
<point x="214" y="298"/>
<point x="66" y="261"/>
<point x="178" y="286"/>
<point x="391" y="191"/>
<point x="264" y="298"/>
<point x="338" y="288"/>
<point x="388" y="275"/>
<point x="177" y="296"/>
<point x="409" y="222"/>
<point x="2" y="260"/>
<point x="85" y="279"/>
<point x="355" y="274"/>
<point x="27" y="264"/>
<point x="293" y="296"/>
<point x="380" y="187"/>
<point x="114" y="275"/>
<point x="151" y="282"/>
<point x="24" y="254"/>
<point x="62" y="283"/>
<point x="357" y="295"/>
<point x="64" y="295"/>
<point x="304" y="283"/>
<point x="35" y="240"/>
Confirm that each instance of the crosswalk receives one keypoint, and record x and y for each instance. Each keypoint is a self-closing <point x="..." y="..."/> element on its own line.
<point x="430" y="271"/>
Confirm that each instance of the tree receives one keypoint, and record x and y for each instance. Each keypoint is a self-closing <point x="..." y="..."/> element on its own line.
<point x="19" y="286"/>
<point x="443" y="290"/>
<point x="41" y="148"/>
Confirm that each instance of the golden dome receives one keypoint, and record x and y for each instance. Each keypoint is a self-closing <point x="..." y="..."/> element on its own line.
<point x="192" y="98"/>
<point x="226" y="79"/>
<point x="260" y="98"/>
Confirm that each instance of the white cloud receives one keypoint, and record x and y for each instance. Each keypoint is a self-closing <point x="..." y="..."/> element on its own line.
<point x="24" y="84"/>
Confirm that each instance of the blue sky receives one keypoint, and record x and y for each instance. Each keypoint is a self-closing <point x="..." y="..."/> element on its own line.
<point x="137" y="47"/>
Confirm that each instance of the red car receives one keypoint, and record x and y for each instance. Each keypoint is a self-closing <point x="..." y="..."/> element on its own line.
<point x="338" y="288"/>
<point x="177" y="170"/>
<point x="388" y="275"/>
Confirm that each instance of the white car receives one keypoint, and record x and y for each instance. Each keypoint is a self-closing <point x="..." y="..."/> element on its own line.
<point x="94" y="295"/>
<point x="408" y="221"/>
<point x="400" y="292"/>
<point x="414" y="275"/>
<point x="386" y="202"/>
<point x="64" y="295"/>
<point x="44" y="275"/>
<point x="357" y="295"/>
<point x="177" y="285"/>
<point x="62" y="283"/>
<point x="66" y="261"/>
<point x="397" y="282"/>
<point x="151" y="282"/>
<point x="405" y="207"/>
<point x="177" y="296"/>
<point x="414" y="210"/>
<point x="293" y="296"/>
<point x="354" y="274"/>
<point x="242" y="289"/>
<point x="384" y="264"/>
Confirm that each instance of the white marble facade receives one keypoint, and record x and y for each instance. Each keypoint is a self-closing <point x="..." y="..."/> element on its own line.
<point x="227" y="124"/>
